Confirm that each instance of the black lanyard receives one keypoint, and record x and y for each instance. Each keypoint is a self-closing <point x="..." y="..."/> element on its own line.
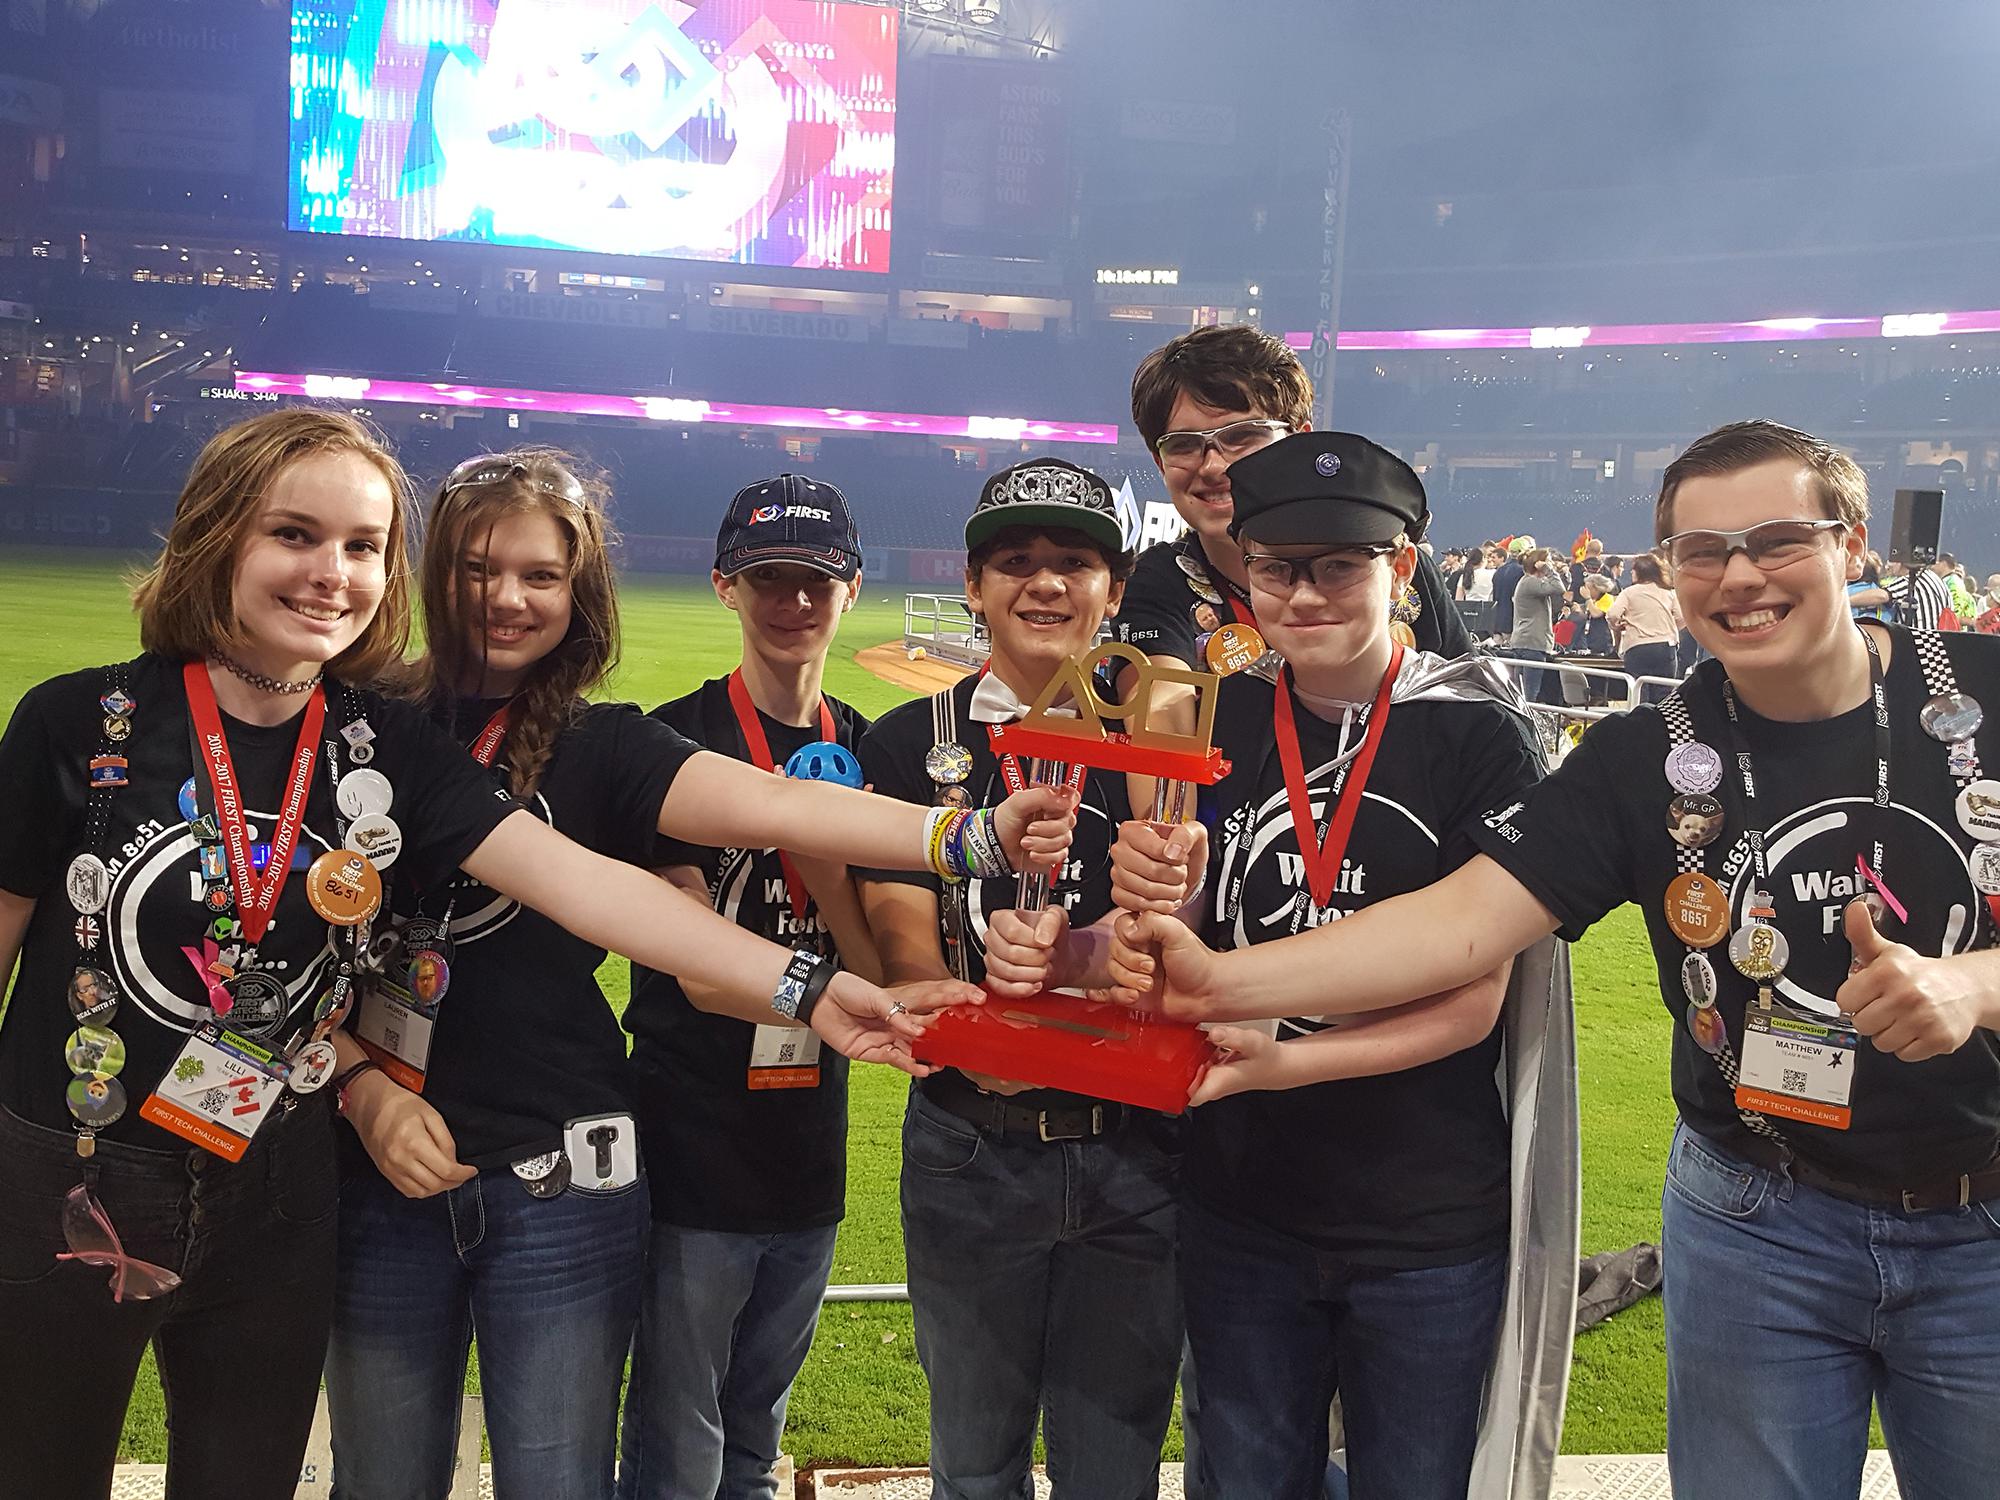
<point x="1746" y="776"/>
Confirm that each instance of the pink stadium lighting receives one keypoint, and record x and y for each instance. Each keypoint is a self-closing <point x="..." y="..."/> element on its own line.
<point x="1585" y="336"/>
<point x="672" y="408"/>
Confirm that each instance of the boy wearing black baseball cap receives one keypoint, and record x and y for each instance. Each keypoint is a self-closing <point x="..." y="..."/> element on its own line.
<point x="745" y="1125"/>
<point x="1039" y="1223"/>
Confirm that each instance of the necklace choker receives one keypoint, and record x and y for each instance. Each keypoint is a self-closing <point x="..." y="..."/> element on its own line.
<point x="267" y="684"/>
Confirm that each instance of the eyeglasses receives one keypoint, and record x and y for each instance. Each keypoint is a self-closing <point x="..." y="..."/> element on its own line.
<point x="491" y="468"/>
<point x="1770" y="545"/>
<point x="1331" y="572"/>
<point x="1232" y="440"/>
<point x="93" y="1241"/>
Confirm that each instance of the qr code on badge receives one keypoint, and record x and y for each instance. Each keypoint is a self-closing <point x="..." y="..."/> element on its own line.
<point x="214" y="1101"/>
<point x="1795" y="1081"/>
<point x="392" y="1038"/>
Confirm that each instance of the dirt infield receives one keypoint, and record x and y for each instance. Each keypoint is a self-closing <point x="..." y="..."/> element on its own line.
<point x="888" y="662"/>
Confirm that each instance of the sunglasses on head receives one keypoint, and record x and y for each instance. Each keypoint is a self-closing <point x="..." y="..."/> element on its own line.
<point x="493" y="468"/>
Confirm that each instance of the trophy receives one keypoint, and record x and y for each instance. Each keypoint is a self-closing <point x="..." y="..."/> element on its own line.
<point x="1056" y="1040"/>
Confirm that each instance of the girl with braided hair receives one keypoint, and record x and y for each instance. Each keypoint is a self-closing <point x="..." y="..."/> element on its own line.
<point x="501" y="1192"/>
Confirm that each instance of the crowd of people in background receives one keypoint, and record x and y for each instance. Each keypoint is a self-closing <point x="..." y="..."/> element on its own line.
<point x="1531" y="603"/>
<point x="1373" y="1193"/>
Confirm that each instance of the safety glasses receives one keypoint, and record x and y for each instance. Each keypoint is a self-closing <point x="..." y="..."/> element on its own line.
<point x="1232" y="440"/>
<point x="1331" y="572"/>
<point x="94" y="1241"/>
<point x="491" y="468"/>
<point x="1770" y="545"/>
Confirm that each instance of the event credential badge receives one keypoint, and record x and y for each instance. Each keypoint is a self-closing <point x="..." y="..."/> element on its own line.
<point x="1797" y="1068"/>
<point x="217" y="1092"/>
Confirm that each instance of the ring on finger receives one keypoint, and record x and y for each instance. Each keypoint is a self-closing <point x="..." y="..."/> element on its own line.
<point x="897" y="1008"/>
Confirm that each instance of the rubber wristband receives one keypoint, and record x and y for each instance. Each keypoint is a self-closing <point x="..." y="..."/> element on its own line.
<point x="936" y="823"/>
<point x="790" y="998"/>
<point x="347" y="1081"/>
<point x="986" y="856"/>
<point x="816" y="983"/>
<point x="954" y="846"/>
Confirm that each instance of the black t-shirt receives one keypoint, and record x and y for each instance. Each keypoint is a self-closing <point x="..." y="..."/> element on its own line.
<point x="1594" y="836"/>
<point x="725" y="1155"/>
<point x="443" y="804"/>
<point x="525" y="1040"/>
<point x="1405" y="1169"/>
<point x="892" y="758"/>
<point x="1174" y="596"/>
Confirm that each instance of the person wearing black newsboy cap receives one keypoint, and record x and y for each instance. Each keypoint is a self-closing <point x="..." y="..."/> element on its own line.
<point x="1345" y="1194"/>
<point x="1326" y="487"/>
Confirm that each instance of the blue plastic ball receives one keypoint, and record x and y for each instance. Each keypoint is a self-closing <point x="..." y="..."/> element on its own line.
<point x="823" y="760"/>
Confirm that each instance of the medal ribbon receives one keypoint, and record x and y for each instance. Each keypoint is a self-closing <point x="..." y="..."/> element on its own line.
<point x="1754" y="833"/>
<point x="1011" y="773"/>
<point x="760" y="757"/>
<point x="1010" y="763"/>
<point x="256" y="899"/>
<point x="487" y="746"/>
<point x="1322" y="860"/>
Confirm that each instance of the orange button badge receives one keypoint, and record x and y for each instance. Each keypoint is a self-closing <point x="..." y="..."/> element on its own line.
<point x="1234" y="647"/>
<point x="344" y="887"/>
<point x="1697" y="911"/>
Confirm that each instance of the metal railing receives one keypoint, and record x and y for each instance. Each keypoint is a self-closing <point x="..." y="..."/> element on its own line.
<point x="944" y="626"/>
<point x="1626" y="698"/>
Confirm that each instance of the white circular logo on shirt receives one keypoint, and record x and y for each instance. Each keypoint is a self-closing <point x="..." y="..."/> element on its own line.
<point x="1809" y="857"/>
<point x="157" y="890"/>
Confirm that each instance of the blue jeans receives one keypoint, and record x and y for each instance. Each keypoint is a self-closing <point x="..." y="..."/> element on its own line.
<point x="1537" y="686"/>
<point x="1790" y="1310"/>
<point x="726" y="1322"/>
<point x="551" y="1287"/>
<point x="1656" y="659"/>
<point x="1276" y="1326"/>
<point x="1042" y="1278"/>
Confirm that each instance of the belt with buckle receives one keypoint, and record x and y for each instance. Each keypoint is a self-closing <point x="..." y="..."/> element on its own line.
<point x="1949" y="1192"/>
<point x="998" y="1114"/>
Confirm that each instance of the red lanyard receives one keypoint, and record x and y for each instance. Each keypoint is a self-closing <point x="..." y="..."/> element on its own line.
<point x="487" y="746"/>
<point x="256" y="899"/>
<point x="1322" y="861"/>
<point x="760" y="757"/>
<point x="1241" y="610"/>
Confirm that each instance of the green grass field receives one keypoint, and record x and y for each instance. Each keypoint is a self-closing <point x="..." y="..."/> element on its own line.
<point x="861" y="1395"/>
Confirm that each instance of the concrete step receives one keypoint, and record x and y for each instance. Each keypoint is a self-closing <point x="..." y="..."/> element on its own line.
<point x="1603" y="1476"/>
<point x="1596" y="1476"/>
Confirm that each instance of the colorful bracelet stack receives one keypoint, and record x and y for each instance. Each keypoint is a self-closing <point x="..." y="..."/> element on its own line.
<point x="965" y="842"/>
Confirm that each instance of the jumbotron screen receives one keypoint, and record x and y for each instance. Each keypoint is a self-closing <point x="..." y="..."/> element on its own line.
<point x="759" y="132"/>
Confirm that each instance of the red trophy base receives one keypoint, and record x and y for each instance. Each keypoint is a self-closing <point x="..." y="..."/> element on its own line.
<point x="1057" y="1041"/>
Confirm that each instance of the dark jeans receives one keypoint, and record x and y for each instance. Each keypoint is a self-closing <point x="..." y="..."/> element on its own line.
<point x="1276" y="1326"/>
<point x="1536" y="686"/>
<point x="1656" y="660"/>
<point x="1042" y="1279"/>
<point x="726" y="1323"/>
<point x="238" y="1344"/>
<point x="551" y="1285"/>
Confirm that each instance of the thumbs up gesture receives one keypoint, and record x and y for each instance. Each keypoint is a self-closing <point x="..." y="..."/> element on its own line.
<point x="1913" y="1006"/>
